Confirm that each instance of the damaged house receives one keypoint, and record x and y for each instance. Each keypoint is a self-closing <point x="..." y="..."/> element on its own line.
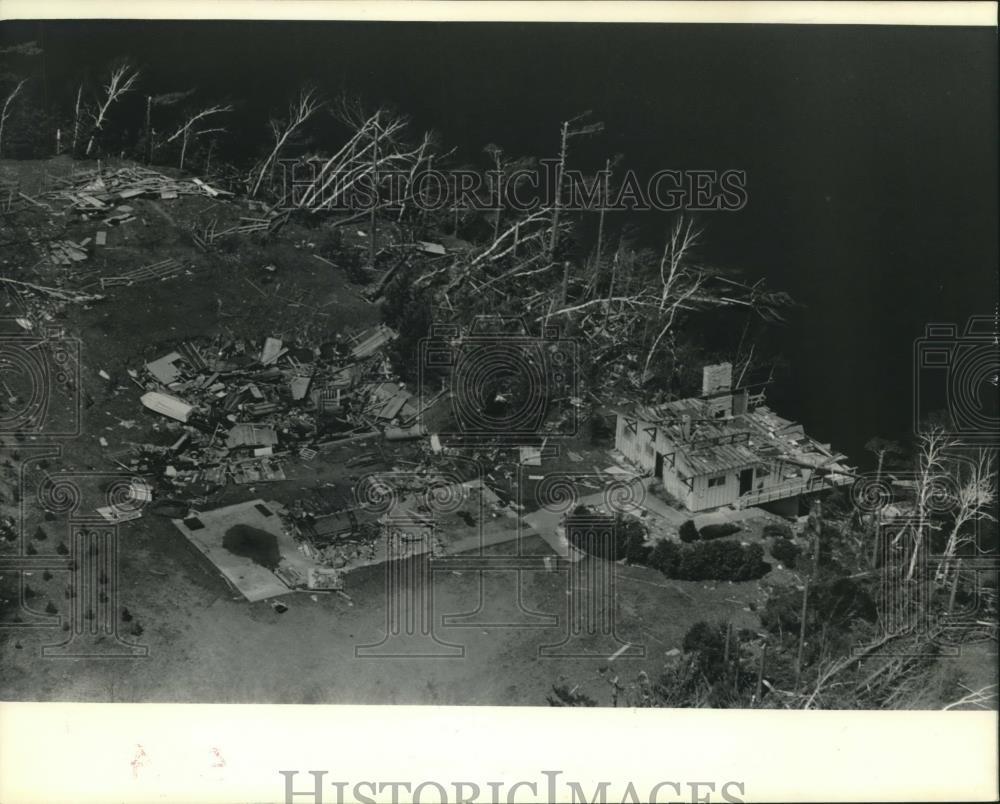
<point x="725" y="448"/>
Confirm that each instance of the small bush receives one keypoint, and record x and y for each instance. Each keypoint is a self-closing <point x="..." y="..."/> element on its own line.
<point x="688" y="532"/>
<point x="786" y="551"/>
<point x="40" y="535"/>
<point x="634" y="536"/>
<point x="31" y="550"/>
<point x="62" y="549"/>
<point x="777" y="530"/>
<point x="666" y="557"/>
<point x="47" y="575"/>
<point x="718" y="531"/>
<point x="708" y="641"/>
<point x="607" y="537"/>
<point x="714" y="561"/>
<point x="836" y="605"/>
<point x="50" y="608"/>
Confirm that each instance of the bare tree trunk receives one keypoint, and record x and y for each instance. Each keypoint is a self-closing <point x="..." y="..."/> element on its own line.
<point x="556" y="208"/>
<point x="802" y="633"/>
<point x="118" y="84"/>
<point x="76" y="117"/>
<point x="149" y="129"/>
<point x="600" y="220"/>
<point x="372" y="226"/>
<point x="760" y="674"/>
<point x="5" y="113"/>
<point x="954" y="586"/>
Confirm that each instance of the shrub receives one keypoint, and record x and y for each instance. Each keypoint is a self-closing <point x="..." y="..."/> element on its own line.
<point x="62" y="549"/>
<point x="786" y="551"/>
<point x="608" y="537"/>
<point x="715" y="561"/>
<point x="782" y="612"/>
<point x="688" y="532"/>
<point x="634" y="535"/>
<point x="591" y="532"/>
<point x="40" y="535"/>
<point x="50" y="608"/>
<point x="777" y="530"/>
<point x="666" y="557"/>
<point x="718" y="531"/>
<point x="836" y="605"/>
<point x="708" y="641"/>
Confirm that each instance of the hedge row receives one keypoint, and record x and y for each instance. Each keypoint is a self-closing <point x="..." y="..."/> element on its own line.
<point x="709" y="561"/>
<point x="689" y="533"/>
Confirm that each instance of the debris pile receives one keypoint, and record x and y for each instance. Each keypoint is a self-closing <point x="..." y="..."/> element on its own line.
<point x="232" y="411"/>
<point x="99" y="191"/>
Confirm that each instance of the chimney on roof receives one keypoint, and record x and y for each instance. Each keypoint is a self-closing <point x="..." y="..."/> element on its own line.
<point x="718" y="377"/>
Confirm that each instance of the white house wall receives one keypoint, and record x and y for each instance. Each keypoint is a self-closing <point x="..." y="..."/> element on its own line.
<point x="715" y="496"/>
<point x="641" y="447"/>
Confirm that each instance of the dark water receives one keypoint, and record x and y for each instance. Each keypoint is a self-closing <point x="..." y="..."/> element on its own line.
<point x="871" y="153"/>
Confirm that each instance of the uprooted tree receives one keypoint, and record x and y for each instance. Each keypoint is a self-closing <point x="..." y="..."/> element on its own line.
<point x="378" y="145"/>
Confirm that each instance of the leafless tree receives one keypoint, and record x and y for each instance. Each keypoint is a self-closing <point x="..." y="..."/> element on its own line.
<point x="121" y="80"/>
<point x="679" y="281"/>
<point x="574" y="127"/>
<point x="376" y="145"/>
<point x="76" y="117"/>
<point x="6" y="108"/>
<point x="933" y="482"/>
<point x="189" y="129"/>
<point x="159" y="101"/>
<point x="299" y="111"/>
<point x="882" y="448"/>
<point x="974" y="500"/>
